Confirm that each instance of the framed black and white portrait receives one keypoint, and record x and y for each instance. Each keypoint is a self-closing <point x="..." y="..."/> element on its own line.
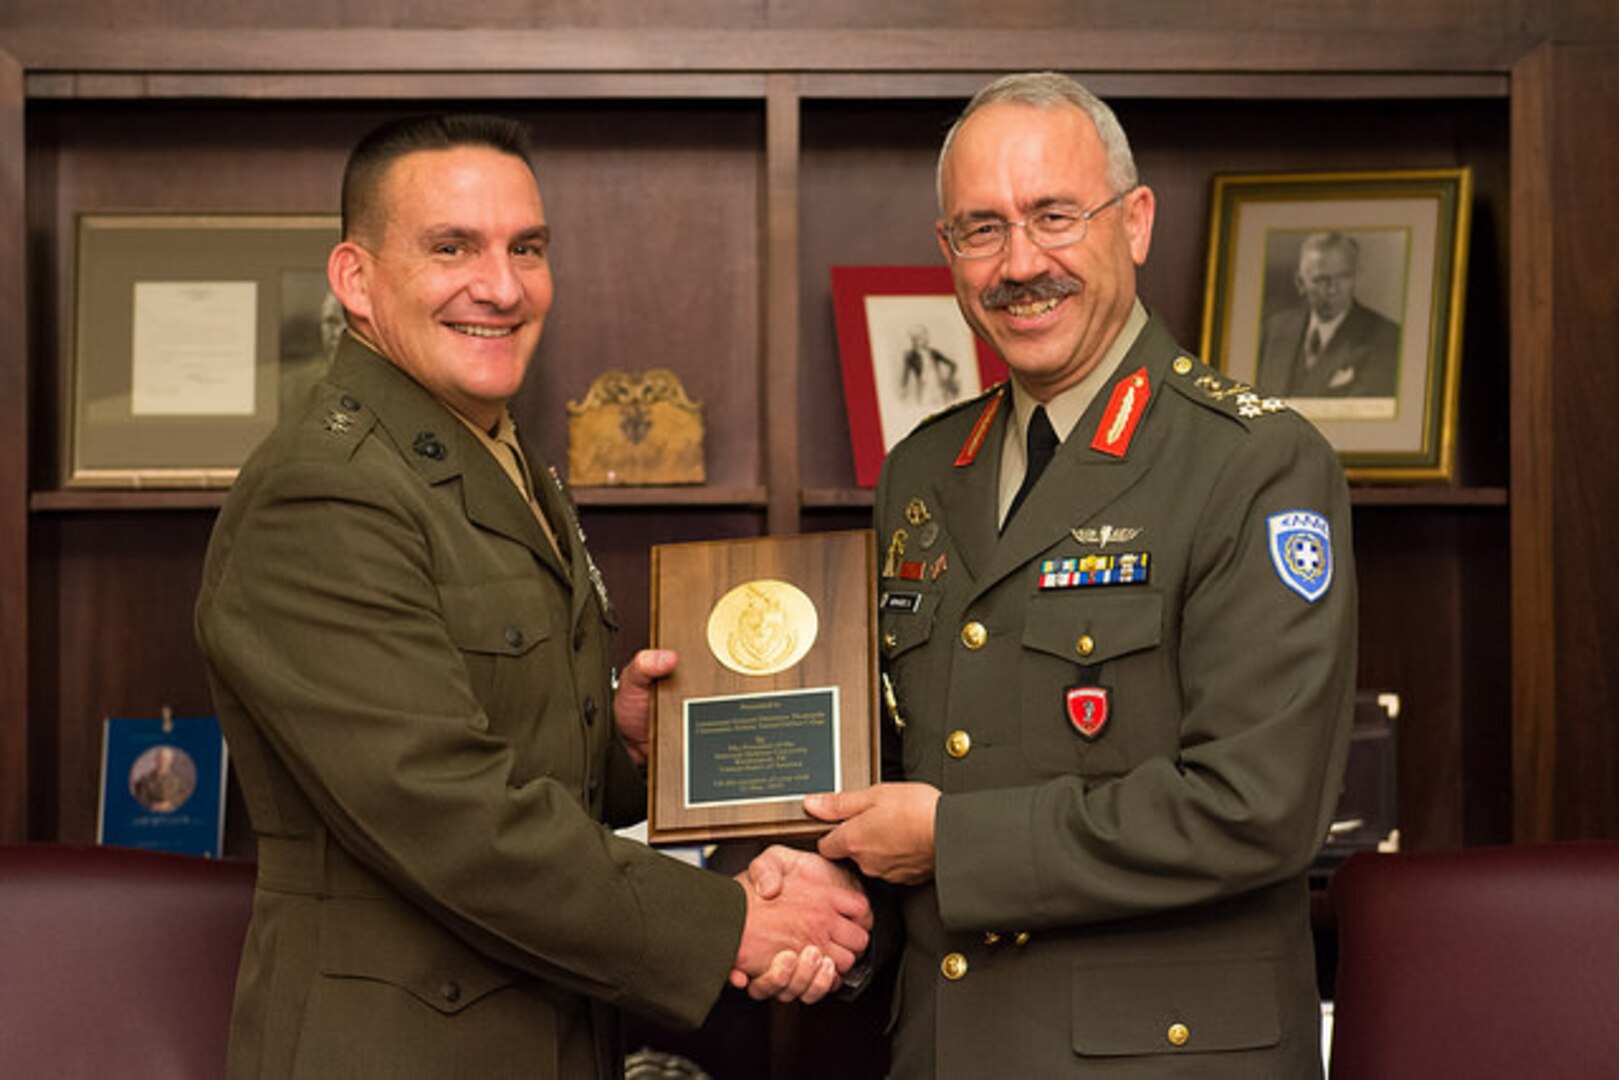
<point x="1342" y="294"/>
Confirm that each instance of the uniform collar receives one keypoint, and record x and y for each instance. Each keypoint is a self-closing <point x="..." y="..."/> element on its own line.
<point x="1065" y="408"/>
<point x="433" y="440"/>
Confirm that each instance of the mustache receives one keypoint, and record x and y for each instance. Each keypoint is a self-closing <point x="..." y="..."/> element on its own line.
<point x="1045" y="287"/>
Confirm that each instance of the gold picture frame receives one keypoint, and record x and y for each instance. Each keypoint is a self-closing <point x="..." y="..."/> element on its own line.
<point x="192" y="333"/>
<point x="1390" y="244"/>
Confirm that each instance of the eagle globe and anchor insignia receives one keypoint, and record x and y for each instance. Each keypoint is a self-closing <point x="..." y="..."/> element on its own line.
<point x="762" y="627"/>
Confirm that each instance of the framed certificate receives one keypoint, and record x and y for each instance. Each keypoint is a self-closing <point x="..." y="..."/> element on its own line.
<point x="775" y="696"/>
<point x="192" y="334"/>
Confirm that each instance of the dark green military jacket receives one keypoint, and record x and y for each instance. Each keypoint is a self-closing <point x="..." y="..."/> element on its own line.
<point x="1136" y="702"/>
<point x="416" y="693"/>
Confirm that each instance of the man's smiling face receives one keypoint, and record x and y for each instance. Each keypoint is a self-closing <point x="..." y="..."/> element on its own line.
<point x="456" y="289"/>
<point x="1050" y="313"/>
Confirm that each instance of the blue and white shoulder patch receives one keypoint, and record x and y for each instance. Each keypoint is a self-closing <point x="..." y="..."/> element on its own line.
<point x="1301" y="551"/>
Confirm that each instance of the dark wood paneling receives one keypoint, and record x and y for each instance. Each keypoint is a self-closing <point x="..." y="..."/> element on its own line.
<point x="1534" y="641"/>
<point x="867" y="184"/>
<point x="1433" y="603"/>
<point x="657" y="255"/>
<point x="1439" y="18"/>
<point x="780" y="344"/>
<point x="1484" y="568"/>
<point x="14" y="438"/>
<point x="1566" y="605"/>
<point x="122" y="639"/>
<point x="726" y="48"/>
<point x="1585" y="399"/>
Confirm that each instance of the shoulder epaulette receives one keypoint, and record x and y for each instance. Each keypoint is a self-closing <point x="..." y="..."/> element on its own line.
<point x="1210" y="388"/>
<point x="337" y="419"/>
<point x="957" y="406"/>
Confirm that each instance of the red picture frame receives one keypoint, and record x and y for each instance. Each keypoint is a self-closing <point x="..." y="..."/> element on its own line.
<point x="891" y="381"/>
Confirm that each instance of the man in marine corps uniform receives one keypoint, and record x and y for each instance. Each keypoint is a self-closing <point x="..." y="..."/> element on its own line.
<point x="1117" y="615"/>
<point x="409" y="649"/>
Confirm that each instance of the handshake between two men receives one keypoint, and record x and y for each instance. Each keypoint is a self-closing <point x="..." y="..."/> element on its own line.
<point x="808" y="918"/>
<point x="887" y="830"/>
<point x="808" y="922"/>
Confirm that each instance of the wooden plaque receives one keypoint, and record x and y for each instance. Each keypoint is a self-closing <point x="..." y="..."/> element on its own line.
<point x="775" y="695"/>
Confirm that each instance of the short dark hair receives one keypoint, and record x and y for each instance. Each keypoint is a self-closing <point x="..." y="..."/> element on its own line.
<point x="388" y="142"/>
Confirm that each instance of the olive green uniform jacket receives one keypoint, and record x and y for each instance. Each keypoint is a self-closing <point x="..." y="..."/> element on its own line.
<point x="417" y="697"/>
<point x="1136" y="774"/>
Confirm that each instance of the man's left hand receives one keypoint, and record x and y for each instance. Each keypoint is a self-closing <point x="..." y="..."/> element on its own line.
<point x="632" y="704"/>
<point x="887" y="829"/>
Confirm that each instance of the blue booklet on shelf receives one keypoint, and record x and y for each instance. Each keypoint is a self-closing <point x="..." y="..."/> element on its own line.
<point x="163" y="784"/>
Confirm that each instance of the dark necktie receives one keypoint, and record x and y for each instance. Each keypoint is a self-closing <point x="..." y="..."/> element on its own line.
<point x="1042" y="447"/>
<point x="1312" y="348"/>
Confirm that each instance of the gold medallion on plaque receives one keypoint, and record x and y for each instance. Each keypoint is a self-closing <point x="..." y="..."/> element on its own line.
<point x="762" y="627"/>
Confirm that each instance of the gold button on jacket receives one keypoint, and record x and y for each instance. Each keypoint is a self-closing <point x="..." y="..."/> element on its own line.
<point x="973" y="635"/>
<point x="953" y="966"/>
<point x="957" y="744"/>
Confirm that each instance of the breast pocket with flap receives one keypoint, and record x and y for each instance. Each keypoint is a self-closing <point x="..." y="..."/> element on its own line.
<point x="1089" y="648"/>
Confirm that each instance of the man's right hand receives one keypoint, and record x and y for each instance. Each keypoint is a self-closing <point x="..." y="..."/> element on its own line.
<point x="807" y="922"/>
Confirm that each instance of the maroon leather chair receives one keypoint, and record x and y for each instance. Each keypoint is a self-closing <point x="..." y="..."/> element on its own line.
<point x="1482" y="963"/>
<point x="116" y="962"/>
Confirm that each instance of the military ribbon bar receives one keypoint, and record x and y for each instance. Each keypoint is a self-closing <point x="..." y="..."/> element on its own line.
<point x="1125" y="568"/>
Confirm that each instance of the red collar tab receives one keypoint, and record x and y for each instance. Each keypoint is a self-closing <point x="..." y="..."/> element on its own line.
<point x="975" y="441"/>
<point x="1124" y="411"/>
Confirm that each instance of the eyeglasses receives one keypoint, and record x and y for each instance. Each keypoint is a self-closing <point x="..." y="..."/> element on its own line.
<point x="1053" y="227"/>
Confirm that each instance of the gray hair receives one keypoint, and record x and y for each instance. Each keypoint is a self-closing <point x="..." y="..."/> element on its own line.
<point x="1046" y="90"/>
<point x="1322" y="242"/>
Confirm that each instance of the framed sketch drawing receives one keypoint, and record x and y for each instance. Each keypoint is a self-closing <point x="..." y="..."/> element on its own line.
<point x="191" y="335"/>
<point x="906" y="353"/>
<point x="1342" y="293"/>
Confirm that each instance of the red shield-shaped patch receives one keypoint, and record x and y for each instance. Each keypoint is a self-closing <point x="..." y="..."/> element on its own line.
<point x="1087" y="709"/>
